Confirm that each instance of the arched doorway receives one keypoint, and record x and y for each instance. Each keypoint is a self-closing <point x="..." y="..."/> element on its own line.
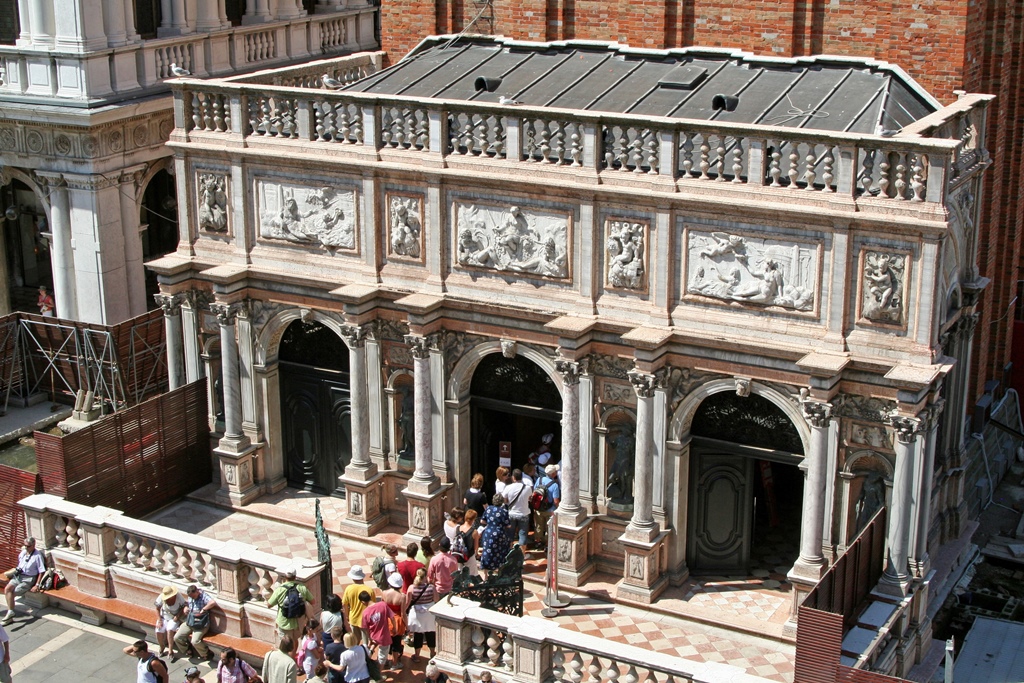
<point x="159" y="215"/>
<point x="513" y="401"/>
<point x="25" y="247"/>
<point x="746" y="489"/>
<point x="315" y="409"/>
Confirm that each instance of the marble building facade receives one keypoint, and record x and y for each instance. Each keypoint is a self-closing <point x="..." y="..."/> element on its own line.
<point x="644" y="268"/>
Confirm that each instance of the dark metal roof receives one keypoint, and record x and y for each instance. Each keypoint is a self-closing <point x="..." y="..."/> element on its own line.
<point x="822" y="93"/>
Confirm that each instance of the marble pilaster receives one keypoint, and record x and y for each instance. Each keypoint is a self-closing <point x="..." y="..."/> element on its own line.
<point x="171" y="305"/>
<point x="810" y="565"/>
<point x="896" y="577"/>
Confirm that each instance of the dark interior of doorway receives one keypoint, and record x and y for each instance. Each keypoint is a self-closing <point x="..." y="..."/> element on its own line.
<point x="494" y="424"/>
<point x="159" y="214"/>
<point x="776" y="533"/>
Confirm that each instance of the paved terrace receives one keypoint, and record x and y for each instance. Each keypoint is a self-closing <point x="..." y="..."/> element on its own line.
<point x="681" y="622"/>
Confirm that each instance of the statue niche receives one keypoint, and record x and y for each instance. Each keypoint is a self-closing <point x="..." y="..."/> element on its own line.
<point x="620" y="456"/>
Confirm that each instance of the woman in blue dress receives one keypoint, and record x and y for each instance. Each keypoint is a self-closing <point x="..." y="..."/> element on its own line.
<point x="495" y="540"/>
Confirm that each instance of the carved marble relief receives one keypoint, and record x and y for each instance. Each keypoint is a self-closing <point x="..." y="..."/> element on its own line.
<point x="513" y="240"/>
<point x="752" y="270"/>
<point x="873" y="436"/>
<point x="882" y="287"/>
<point x="307" y="215"/>
<point x="625" y="258"/>
<point x="405" y="221"/>
<point x="619" y="394"/>
<point x="213" y="202"/>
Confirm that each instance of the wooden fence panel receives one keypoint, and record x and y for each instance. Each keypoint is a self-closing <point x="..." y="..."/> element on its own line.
<point x="15" y="484"/>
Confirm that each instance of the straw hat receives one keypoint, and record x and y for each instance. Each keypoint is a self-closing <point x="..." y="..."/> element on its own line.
<point x="168" y="593"/>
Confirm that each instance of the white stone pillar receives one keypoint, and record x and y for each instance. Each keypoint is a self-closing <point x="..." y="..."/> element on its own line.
<point x="811" y="564"/>
<point x="570" y="512"/>
<point x="360" y="468"/>
<point x="897" y="540"/>
<point x="209" y="13"/>
<point x="924" y="502"/>
<point x="113" y="22"/>
<point x="423" y="476"/>
<point x="174" y="339"/>
<point x="642" y="526"/>
<point x="130" y="33"/>
<point x="234" y="439"/>
<point x="61" y="258"/>
<point x="256" y="12"/>
<point x="25" y="32"/>
<point x="40" y="18"/>
<point x="190" y="326"/>
<point x="133" y="254"/>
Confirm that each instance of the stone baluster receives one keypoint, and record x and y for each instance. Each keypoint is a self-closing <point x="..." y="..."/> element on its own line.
<point x="171" y="304"/>
<point x="570" y="512"/>
<point x="896" y="575"/>
<point x="811" y="563"/>
<point x="360" y="467"/>
<point x="642" y="525"/>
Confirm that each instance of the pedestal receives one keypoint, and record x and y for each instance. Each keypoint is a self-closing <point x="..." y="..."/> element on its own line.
<point x="574" y="564"/>
<point x="426" y="515"/>
<point x="236" y="474"/>
<point x="644" y="574"/>
<point x="364" y="515"/>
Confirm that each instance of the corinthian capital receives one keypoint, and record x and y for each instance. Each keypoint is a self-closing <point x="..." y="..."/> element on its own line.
<point x="419" y="345"/>
<point x="569" y="370"/>
<point x="226" y="313"/>
<point x="818" y="414"/>
<point x="170" y="303"/>
<point x="643" y="383"/>
<point x="354" y="336"/>
<point x="905" y="428"/>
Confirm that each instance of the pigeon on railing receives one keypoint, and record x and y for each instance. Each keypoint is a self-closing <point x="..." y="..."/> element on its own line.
<point x="508" y="101"/>
<point x="178" y="71"/>
<point x="331" y="83"/>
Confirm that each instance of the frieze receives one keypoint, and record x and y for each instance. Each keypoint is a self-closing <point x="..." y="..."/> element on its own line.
<point x="392" y="330"/>
<point x="626" y="254"/>
<point x="751" y="270"/>
<point x="320" y="215"/>
<point x="397" y="355"/>
<point x="213" y="202"/>
<point x="405" y="227"/>
<point x="617" y="393"/>
<point x="877" y="436"/>
<point x="513" y="240"/>
<point x="260" y="312"/>
<point x="454" y="345"/>
<point x="883" y="280"/>
<point x="610" y="366"/>
<point x="94" y="142"/>
<point x="862" y="407"/>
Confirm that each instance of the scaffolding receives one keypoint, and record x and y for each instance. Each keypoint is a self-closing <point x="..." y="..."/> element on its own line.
<point x="50" y="358"/>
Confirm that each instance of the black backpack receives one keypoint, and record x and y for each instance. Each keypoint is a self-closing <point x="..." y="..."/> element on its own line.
<point x="294" y="605"/>
<point x="149" y="667"/>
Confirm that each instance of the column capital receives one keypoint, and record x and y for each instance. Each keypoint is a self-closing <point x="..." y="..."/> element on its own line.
<point x="420" y="345"/>
<point x="906" y="428"/>
<point x="570" y="370"/>
<point x="225" y="312"/>
<point x="354" y="336"/>
<point x="170" y="303"/>
<point x="643" y="383"/>
<point x="817" y="413"/>
<point x="932" y="412"/>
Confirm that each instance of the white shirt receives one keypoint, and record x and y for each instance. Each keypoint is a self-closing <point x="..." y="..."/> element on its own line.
<point x="520" y="493"/>
<point x="144" y="674"/>
<point x="31" y="565"/>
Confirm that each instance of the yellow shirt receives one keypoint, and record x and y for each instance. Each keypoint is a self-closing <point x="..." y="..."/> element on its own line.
<point x="350" y="602"/>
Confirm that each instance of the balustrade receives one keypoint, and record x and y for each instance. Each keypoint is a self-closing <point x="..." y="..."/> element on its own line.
<point x="551" y="141"/>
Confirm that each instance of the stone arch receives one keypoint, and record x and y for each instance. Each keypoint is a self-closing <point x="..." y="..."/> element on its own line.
<point x="611" y="410"/>
<point x="8" y="173"/>
<point x="165" y="164"/>
<point x="682" y="418"/>
<point x="864" y="453"/>
<point x="396" y="375"/>
<point x="268" y="337"/>
<point x="462" y="374"/>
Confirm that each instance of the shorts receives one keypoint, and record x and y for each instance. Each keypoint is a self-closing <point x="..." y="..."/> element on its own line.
<point x="164" y="625"/>
<point x="23" y="583"/>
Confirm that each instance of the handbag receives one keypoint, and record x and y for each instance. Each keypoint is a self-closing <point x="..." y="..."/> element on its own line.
<point x="197" y="621"/>
<point x="372" y="665"/>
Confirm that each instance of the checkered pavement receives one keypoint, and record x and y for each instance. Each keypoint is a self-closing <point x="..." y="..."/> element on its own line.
<point x="280" y="524"/>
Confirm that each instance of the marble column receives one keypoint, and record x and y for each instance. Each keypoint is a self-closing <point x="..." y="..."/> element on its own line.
<point x="642" y="525"/>
<point x="25" y="26"/>
<point x="360" y="467"/>
<point x="113" y="22"/>
<point x="191" y="310"/>
<point x="570" y="512"/>
<point x="135" y="271"/>
<point x="171" y="304"/>
<point x="811" y="563"/>
<point x="234" y="438"/>
<point x="256" y="12"/>
<point x="924" y="502"/>
<point x="896" y="574"/>
<point x="40" y="18"/>
<point x="60" y="248"/>
<point x="209" y="12"/>
<point x="423" y="475"/>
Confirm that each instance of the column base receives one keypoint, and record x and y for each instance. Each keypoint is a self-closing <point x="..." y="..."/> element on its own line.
<point x="896" y="586"/>
<point x="574" y="564"/>
<point x="236" y="480"/>
<point x="234" y="444"/>
<point x="641" y="533"/>
<point x="364" y="515"/>
<point x="644" y="574"/>
<point x="363" y="472"/>
<point x="426" y="518"/>
<point x="572" y="518"/>
<point x="807" y="571"/>
<point x="422" y="487"/>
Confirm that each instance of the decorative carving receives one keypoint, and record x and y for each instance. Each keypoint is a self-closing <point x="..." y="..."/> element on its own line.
<point x="34" y="141"/>
<point x="394" y="330"/>
<point x="769" y="272"/>
<point x="454" y="345"/>
<point x="398" y="355"/>
<point x="406" y="226"/>
<point x="170" y="303"/>
<point x="636" y="567"/>
<point x="7" y="139"/>
<point x="62" y="144"/>
<point x="353" y="335"/>
<point x="511" y="240"/>
<point x="355" y="502"/>
<point x="622" y="454"/>
<point x="643" y="383"/>
<point x="569" y="370"/>
<point x="564" y="550"/>
<point x="419" y="518"/>
<point x="213" y="202"/>
<point x="818" y="414"/>
<point x="508" y="348"/>
<point x="260" y="311"/>
<point x="882" y="299"/>
<point x="115" y="140"/>
<point x="862" y="407"/>
<point x="622" y="394"/>
<point x="419" y="345"/>
<point x="743" y="387"/>
<point x="307" y="215"/>
<point x="225" y="313"/>
<point x="609" y="366"/>
<point x="875" y="436"/>
<point x="681" y="381"/>
<point x="905" y="428"/>
<point x="626" y="254"/>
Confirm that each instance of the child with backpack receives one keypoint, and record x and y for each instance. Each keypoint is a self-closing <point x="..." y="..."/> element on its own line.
<point x="310" y="653"/>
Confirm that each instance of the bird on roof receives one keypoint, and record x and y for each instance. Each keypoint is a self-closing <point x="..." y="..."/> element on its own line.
<point x="508" y="101"/>
<point x="331" y="83"/>
<point x="178" y="71"/>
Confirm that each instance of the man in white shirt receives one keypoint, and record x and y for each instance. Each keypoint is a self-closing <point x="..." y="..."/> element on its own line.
<point x="24" y="577"/>
<point x="517" y="500"/>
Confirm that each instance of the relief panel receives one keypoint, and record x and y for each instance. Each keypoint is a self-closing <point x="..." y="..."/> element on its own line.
<point x="212" y="213"/>
<point x="405" y="227"/>
<point x="752" y="270"/>
<point x="510" y="239"/>
<point x="626" y="254"/>
<point x="313" y="215"/>
<point x="883" y="276"/>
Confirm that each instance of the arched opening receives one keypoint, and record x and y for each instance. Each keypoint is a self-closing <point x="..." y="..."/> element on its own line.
<point x="316" y="432"/>
<point x="746" y="489"/>
<point x="26" y="247"/>
<point x="159" y="220"/>
<point x="513" y="405"/>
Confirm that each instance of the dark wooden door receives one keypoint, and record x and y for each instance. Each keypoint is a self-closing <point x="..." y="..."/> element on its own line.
<point x="721" y="512"/>
<point x="315" y="427"/>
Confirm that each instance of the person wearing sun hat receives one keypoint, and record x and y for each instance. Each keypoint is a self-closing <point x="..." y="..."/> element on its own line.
<point x="170" y="605"/>
<point x="395" y="599"/>
<point x="352" y="607"/>
<point x="289" y="626"/>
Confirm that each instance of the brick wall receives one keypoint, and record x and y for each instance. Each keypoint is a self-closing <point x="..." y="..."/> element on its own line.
<point x="946" y="45"/>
